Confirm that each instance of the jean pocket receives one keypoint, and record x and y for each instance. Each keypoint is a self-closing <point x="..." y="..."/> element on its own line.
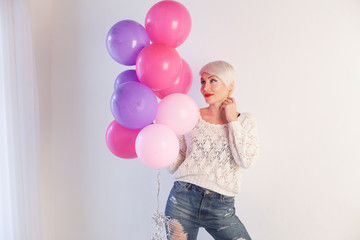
<point x="180" y="186"/>
<point x="228" y="201"/>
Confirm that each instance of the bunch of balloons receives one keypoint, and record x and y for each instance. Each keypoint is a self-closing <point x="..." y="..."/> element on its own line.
<point x="144" y="127"/>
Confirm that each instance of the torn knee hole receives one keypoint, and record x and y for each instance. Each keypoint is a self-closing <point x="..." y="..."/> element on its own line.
<point x="176" y="230"/>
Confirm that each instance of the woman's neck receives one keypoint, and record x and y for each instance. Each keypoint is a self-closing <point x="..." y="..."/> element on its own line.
<point x="214" y="110"/>
<point x="213" y="115"/>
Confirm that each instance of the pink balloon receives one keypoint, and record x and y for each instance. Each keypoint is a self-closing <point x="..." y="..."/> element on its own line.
<point x="182" y="84"/>
<point x="158" y="66"/>
<point x="168" y="22"/>
<point x="179" y="112"/>
<point x="121" y="140"/>
<point x="157" y="146"/>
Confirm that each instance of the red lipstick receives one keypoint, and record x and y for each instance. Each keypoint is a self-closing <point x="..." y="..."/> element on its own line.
<point x="208" y="95"/>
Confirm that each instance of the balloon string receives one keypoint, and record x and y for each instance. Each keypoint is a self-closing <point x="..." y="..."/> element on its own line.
<point x="158" y="190"/>
<point x="161" y="221"/>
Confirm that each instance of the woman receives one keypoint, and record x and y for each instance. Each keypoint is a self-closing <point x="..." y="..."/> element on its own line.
<point x="211" y="157"/>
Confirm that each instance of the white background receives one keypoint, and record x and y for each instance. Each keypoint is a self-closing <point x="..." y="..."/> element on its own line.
<point x="298" y="68"/>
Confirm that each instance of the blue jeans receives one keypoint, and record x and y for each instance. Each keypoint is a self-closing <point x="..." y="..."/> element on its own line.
<point x="191" y="207"/>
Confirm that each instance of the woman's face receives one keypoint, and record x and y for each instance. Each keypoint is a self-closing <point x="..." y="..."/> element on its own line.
<point x="213" y="89"/>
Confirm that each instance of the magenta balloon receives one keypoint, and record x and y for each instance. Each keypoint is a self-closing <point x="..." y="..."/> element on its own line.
<point x="158" y="66"/>
<point x="168" y="22"/>
<point x="125" y="40"/>
<point x="134" y="105"/>
<point x="121" y="140"/>
<point x="126" y="76"/>
<point x="182" y="84"/>
<point x="179" y="112"/>
<point x="157" y="146"/>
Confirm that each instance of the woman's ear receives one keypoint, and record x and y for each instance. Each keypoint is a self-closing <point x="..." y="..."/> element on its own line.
<point x="231" y="89"/>
<point x="231" y="86"/>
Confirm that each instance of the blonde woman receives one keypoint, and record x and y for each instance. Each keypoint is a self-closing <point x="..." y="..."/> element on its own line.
<point x="208" y="169"/>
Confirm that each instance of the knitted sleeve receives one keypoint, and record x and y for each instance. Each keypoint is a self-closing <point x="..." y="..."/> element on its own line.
<point x="181" y="157"/>
<point x="244" y="142"/>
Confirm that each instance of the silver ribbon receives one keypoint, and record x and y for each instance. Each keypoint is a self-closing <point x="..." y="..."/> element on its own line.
<point x="160" y="220"/>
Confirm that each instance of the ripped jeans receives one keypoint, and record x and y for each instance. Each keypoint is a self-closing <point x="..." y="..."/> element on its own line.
<point x="191" y="207"/>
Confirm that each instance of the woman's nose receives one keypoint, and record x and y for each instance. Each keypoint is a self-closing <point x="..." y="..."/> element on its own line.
<point x="206" y="87"/>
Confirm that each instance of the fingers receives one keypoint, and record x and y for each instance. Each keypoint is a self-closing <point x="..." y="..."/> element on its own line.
<point x="222" y="106"/>
<point x="227" y="102"/>
<point x="230" y="99"/>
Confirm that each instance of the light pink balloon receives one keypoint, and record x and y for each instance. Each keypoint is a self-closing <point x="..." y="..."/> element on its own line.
<point x="168" y="22"/>
<point x="121" y="140"/>
<point x="182" y="84"/>
<point x="157" y="146"/>
<point x="179" y="112"/>
<point x="158" y="66"/>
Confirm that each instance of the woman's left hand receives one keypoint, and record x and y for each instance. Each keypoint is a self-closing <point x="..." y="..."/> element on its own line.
<point x="228" y="108"/>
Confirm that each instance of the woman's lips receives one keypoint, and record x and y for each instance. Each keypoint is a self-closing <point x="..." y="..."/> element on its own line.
<point x="208" y="95"/>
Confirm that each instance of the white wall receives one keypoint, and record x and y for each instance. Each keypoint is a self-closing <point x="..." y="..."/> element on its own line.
<point x="41" y="16"/>
<point x="298" y="67"/>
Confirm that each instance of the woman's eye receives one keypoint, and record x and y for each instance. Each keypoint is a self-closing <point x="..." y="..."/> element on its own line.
<point x="202" y="82"/>
<point x="213" y="80"/>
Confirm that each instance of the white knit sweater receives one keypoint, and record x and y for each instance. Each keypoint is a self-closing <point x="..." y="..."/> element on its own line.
<point x="213" y="155"/>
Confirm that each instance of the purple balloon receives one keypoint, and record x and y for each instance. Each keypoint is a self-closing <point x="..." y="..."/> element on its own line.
<point x="125" y="40"/>
<point x="134" y="105"/>
<point x="126" y="76"/>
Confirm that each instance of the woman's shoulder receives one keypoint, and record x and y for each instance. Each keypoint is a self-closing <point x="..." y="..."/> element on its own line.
<point x="247" y="118"/>
<point x="247" y="114"/>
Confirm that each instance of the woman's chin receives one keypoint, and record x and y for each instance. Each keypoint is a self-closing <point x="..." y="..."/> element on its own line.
<point x="209" y="101"/>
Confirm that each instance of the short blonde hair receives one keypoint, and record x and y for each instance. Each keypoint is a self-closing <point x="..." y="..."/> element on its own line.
<point x="223" y="70"/>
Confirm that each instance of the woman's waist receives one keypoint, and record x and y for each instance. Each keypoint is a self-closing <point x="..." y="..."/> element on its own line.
<point x="202" y="184"/>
